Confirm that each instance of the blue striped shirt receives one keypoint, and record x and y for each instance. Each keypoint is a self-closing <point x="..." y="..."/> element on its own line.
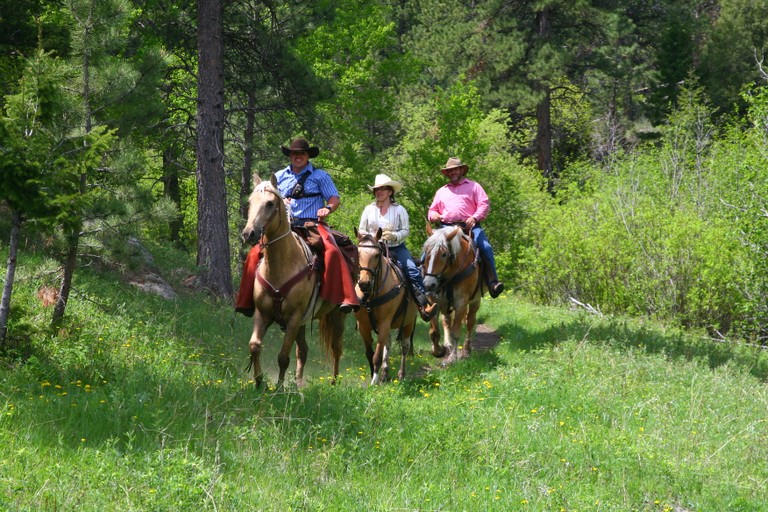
<point x="318" y="181"/>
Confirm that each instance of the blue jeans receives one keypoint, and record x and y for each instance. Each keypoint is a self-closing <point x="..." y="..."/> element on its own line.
<point x="403" y="256"/>
<point x="486" y="251"/>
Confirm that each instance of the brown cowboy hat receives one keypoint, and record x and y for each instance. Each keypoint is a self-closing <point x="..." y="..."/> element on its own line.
<point x="453" y="163"/>
<point x="300" y="144"/>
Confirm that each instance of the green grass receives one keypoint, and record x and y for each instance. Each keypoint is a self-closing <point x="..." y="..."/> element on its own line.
<point x="143" y="404"/>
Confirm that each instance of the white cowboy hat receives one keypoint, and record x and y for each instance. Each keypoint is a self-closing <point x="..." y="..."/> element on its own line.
<point x="382" y="180"/>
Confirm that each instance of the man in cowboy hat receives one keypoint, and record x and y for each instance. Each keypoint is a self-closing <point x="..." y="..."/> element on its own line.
<point x="464" y="202"/>
<point x="392" y="218"/>
<point x="310" y="196"/>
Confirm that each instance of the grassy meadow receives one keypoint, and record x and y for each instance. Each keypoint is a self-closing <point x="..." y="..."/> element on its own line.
<point x="138" y="403"/>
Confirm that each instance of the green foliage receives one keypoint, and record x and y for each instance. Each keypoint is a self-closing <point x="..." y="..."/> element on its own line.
<point x="672" y="233"/>
<point x="736" y="43"/>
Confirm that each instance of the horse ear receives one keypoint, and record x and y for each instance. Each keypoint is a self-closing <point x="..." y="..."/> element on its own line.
<point x="378" y="234"/>
<point x="429" y="229"/>
<point x="273" y="181"/>
<point x="453" y="233"/>
<point x="256" y="179"/>
<point x="357" y="234"/>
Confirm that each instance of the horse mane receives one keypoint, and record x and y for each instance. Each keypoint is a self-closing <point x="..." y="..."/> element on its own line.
<point x="368" y="237"/>
<point x="266" y="186"/>
<point x="439" y="240"/>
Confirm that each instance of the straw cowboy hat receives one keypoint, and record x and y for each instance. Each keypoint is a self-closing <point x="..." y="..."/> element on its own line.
<point x="300" y="144"/>
<point x="453" y="163"/>
<point x="382" y="180"/>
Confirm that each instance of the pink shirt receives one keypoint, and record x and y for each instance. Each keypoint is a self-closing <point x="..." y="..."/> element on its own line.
<point x="457" y="203"/>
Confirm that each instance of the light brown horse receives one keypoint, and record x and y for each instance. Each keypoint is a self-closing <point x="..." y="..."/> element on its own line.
<point x="287" y="286"/>
<point x="385" y="304"/>
<point x="451" y="269"/>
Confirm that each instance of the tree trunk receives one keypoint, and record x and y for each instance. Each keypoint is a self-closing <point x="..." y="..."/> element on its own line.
<point x="544" y="139"/>
<point x="10" y="272"/>
<point x="172" y="191"/>
<point x="543" y="113"/>
<point x="70" y="263"/>
<point x="246" y="179"/>
<point x="213" y="252"/>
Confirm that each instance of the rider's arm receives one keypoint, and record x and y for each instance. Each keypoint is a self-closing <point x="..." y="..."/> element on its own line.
<point x="402" y="226"/>
<point x="332" y="206"/>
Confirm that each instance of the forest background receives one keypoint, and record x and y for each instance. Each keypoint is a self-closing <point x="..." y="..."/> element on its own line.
<point x="622" y="143"/>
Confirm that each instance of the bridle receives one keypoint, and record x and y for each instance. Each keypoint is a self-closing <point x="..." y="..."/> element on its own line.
<point x="372" y="299"/>
<point x="279" y="294"/>
<point x="262" y="241"/>
<point x="467" y="266"/>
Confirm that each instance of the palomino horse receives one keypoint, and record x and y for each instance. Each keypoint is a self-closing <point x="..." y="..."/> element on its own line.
<point x="385" y="304"/>
<point x="451" y="270"/>
<point x="287" y="285"/>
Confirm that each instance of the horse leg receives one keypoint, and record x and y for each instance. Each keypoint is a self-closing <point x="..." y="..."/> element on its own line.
<point x="406" y="346"/>
<point x="470" y="323"/>
<point x="301" y="355"/>
<point x="364" y="328"/>
<point x="438" y="350"/>
<point x="380" y="355"/>
<point x="451" y="329"/>
<point x="254" y="346"/>
<point x="284" y="357"/>
<point x="450" y="339"/>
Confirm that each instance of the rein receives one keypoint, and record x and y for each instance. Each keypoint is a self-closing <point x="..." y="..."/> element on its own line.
<point x="278" y="295"/>
<point x="373" y="299"/>
<point x="446" y="283"/>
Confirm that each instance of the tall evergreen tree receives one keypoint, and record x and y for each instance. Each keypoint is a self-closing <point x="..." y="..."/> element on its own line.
<point x="518" y="52"/>
<point x="41" y="162"/>
<point x="213" y="253"/>
<point x="738" y="39"/>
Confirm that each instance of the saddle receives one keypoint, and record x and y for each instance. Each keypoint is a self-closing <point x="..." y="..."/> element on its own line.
<point x="310" y="233"/>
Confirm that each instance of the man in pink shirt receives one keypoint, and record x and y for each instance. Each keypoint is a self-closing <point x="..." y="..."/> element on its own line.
<point x="463" y="202"/>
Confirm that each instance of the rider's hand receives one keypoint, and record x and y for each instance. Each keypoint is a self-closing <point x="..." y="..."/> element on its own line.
<point x="389" y="236"/>
<point x="471" y="223"/>
<point x="433" y="217"/>
<point x="323" y="212"/>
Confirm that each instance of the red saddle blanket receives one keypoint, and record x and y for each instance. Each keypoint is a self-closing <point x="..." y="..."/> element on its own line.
<point x="338" y="256"/>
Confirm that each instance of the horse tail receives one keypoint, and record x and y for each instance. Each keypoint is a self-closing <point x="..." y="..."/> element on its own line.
<point x="332" y="333"/>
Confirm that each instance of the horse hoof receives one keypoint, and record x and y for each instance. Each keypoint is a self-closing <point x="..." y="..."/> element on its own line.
<point x="258" y="380"/>
<point x="439" y="352"/>
<point x="452" y="357"/>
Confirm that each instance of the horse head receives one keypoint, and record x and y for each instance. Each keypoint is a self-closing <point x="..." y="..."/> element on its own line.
<point x="370" y="254"/>
<point x="265" y="206"/>
<point x="440" y="252"/>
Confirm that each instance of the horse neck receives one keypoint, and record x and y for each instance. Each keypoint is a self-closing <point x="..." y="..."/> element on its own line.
<point x="280" y="249"/>
<point x="465" y="256"/>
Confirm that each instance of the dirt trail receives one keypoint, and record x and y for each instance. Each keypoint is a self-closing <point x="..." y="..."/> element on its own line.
<point x="485" y="339"/>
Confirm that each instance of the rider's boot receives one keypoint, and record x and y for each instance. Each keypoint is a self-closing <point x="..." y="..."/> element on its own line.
<point x="427" y="310"/>
<point x="495" y="287"/>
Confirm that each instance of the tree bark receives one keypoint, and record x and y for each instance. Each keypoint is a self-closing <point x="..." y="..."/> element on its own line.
<point x="543" y="113"/>
<point x="213" y="253"/>
<point x="172" y="191"/>
<point x="10" y="272"/>
<point x="70" y="262"/>
<point x="246" y="176"/>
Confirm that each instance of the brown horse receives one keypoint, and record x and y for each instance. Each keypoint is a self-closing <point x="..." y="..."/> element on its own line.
<point x="385" y="304"/>
<point x="451" y="270"/>
<point x="287" y="286"/>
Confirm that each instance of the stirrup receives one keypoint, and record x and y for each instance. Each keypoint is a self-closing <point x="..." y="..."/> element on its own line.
<point x="428" y="311"/>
